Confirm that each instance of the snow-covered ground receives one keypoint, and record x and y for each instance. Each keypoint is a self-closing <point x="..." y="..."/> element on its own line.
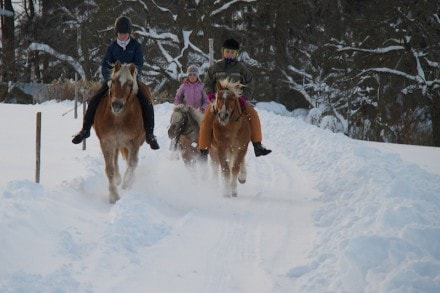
<point x="322" y="213"/>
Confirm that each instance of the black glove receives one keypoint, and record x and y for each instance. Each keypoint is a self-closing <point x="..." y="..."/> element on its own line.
<point x="204" y="155"/>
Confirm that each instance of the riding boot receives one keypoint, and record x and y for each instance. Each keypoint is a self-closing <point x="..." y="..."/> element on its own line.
<point x="148" y="118"/>
<point x="89" y="117"/>
<point x="260" y="150"/>
<point x="256" y="135"/>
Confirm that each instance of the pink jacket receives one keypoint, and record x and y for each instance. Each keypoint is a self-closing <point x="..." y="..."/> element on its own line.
<point x="192" y="94"/>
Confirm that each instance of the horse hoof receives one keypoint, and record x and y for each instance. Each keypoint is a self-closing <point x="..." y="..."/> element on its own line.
<point x="114" y="199"/>
<point x="242" y="181"/>
<point x="234" y="194"/>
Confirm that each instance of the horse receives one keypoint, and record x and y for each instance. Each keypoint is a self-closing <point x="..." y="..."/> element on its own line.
<point x="231" y="136"/>
<point x="184" y="132"/>
<point x="118" y="125"/>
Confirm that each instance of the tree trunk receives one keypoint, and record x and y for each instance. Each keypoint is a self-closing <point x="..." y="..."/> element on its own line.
<point x="435" y="118"/>
<point x="8" y="42"/>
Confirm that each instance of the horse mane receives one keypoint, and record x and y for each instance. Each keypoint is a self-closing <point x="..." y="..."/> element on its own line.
<point x="125" y="73"/>
<point x="234" y="87"/>
<point x="194" y="113"/>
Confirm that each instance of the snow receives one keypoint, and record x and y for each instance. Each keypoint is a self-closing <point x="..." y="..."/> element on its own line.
<point x="322" y="213"/>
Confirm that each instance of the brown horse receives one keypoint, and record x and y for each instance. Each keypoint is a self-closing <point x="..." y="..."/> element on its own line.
<point x="184" y="132"/>
<point x="231" y="136"/>
<point x="119" y="127"/>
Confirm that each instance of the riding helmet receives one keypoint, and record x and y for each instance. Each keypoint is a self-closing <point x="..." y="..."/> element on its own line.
<point x="231" y="44"/>
<point x="123" y="25"/>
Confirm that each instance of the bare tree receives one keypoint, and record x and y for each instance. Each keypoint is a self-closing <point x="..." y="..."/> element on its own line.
<point x="8" y="42"/>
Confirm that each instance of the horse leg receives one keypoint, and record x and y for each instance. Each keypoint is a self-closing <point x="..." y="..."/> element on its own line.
<point x="132" y="162"/>
<point x="238" y="171"/>
<point x="226" y="177"/>
<point x="234" y="174"/>
<point x="242" y="174"/>
<point x="117" y="178"/>
<point x="109" y="157"/>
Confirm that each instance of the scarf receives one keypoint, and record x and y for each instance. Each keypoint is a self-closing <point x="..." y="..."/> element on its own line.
<point x="123" y="44"/>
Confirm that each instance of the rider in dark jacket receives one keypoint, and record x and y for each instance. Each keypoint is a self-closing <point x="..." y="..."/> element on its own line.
<point x="230" y="67"/>
<point x="127" y="50"/>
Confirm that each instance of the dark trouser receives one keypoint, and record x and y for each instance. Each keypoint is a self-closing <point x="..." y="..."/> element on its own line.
<point x="146" y="106"/>
<point x="147" y="111"/>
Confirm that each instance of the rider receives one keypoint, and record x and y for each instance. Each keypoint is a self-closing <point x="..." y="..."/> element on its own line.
<point x="230" y="67"/>
<point x="191" y="91"/>
<point x="127" y="50"/>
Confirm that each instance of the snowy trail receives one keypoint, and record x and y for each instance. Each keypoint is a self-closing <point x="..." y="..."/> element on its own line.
<point x="321" y="213"/>
<point x="214" y="241"/>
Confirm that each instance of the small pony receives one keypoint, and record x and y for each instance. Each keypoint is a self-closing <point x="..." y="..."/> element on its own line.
<point x="184" y="132"/>
<point x="119" y="126"/>
<point x="231" y="135"/>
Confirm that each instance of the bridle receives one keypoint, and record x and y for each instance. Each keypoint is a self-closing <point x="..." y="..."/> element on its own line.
<point x="238" y="106"/>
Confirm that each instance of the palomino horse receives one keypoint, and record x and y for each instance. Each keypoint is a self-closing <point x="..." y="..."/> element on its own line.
<point x="119" y="126"/>
<point x="184" y="132"/>
<point x="231" y="135"/>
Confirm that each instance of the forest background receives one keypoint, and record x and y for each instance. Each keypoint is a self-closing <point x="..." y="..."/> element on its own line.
<point x="367" y="68"/>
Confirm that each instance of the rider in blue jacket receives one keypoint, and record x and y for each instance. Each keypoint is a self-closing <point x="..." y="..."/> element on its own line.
<point x="127" y="50"/>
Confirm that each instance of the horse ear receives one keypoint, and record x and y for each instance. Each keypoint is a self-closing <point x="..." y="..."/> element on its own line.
<point x="218" y="85"/>
<point x="132" y="69"/>
<point x="117" y="65"/>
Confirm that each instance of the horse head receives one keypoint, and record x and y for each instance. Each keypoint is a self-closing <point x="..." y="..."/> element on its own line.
<point x="184" y="120"/>
<point x="226" y="104"/>
<point x="123" y="85"/>
<point x="178" y="120"/>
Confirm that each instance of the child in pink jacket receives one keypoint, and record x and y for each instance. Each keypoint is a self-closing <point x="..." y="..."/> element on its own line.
<point x="191" y="91"/>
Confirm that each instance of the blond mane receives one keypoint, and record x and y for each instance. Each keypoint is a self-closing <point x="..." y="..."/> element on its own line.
<point x="125" y="72"/>
<point x="234" y="87"/>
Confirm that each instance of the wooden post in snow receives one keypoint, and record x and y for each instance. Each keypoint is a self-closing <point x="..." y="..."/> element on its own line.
<point x="76" y="96"/>
<point x="84" y="113"/>
<point x="211" y="52"/>
<point x="38" y="148"/>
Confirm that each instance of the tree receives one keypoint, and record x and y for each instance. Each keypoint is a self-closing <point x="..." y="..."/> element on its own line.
<point x="8" y="42"/>
<point x="371" y="65"/>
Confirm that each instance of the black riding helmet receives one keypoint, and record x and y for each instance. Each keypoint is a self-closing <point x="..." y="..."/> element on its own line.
<point x="231" y="44"/>
<point x="123" y="25"/>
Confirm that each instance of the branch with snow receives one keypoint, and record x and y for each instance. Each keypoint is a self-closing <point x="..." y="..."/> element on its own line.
<point x="68" y="59"/>
<point x="227" y="5"/>
<point x="375" y="51"/>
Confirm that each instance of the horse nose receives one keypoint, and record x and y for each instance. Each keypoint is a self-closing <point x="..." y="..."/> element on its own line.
<point x="223" y="116"/>
<point x="172" y="131"/>
<point x="117" y="106"/>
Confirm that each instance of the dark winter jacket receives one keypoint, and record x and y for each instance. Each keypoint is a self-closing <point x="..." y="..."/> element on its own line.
<point x="131" y="54"/>
<point x="235" y="70"/>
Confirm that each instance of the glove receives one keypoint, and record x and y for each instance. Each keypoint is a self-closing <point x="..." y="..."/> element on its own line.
<point x="242" y="101"/>
<point x="211" y="97"/>
<point x="204" y="155"/>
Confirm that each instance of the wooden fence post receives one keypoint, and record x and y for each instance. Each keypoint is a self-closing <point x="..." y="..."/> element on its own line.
<point x="76" y="96"/>
<point x="38" y="148"/>
<point x="211" y="51"/>
<point x="84" y="113"/>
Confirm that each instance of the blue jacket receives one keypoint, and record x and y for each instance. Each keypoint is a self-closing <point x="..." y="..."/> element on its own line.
<point x="131" y="54"/>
